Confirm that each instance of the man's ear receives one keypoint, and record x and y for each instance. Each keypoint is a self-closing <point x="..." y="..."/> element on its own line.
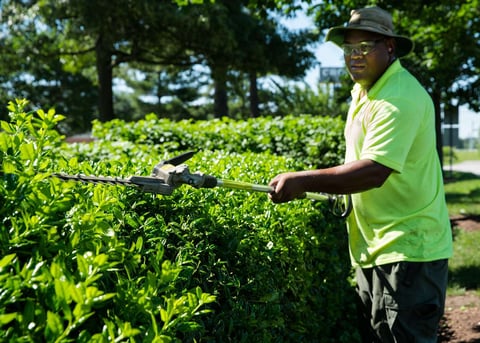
<point x="391" y="44"/>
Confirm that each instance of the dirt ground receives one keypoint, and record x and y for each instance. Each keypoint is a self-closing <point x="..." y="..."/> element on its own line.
<point x="461" y="323"/>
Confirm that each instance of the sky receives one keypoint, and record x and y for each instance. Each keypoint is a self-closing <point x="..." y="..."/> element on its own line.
<point x="329" y="55"/>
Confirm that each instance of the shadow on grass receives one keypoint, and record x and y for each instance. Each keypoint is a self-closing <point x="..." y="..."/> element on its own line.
<point x="463" y="197"/>
<point x="465" y="277"/>
<point x="463" y="192"/>
<point x="455" y="176"/>
<point x="460" y="220"/>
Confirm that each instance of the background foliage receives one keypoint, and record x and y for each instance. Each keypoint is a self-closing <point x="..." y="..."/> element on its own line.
<point x="203" y="59"/>
<point x="102" y="263"/>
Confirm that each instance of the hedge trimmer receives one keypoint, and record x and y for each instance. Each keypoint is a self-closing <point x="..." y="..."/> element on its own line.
<point x="172" y="173"/>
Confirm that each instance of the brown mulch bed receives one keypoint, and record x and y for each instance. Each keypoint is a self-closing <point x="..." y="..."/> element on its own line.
<point x="466" y="222"/>
<point x="461" y="322"/>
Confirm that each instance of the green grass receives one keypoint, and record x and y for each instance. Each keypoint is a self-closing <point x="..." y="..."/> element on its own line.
<point x="464" y="267"/>
<point x="463" y="197"/>
<point x="460" y="155"/>
<point x="463" y="193"/>
<point x="467" y="155"/>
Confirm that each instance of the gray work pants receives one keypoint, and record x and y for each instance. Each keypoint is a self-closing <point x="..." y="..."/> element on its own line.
<point x="401" y="302"/>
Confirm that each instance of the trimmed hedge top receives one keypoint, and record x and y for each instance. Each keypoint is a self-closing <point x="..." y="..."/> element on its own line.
<point x="311" y="140"/>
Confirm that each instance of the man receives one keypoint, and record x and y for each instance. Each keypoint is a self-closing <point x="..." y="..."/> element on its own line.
<point x="399" y="230"/>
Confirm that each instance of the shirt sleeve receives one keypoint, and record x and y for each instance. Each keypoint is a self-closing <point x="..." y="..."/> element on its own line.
<point x="390" y="130"/>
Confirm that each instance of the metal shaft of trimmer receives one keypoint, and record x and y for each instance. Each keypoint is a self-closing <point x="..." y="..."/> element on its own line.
<point x="263" y="188"/>
<point x="340" y="205"/>
<point x="181" y="175"/>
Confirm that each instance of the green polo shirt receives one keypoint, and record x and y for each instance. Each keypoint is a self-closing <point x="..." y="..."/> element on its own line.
<point x="406" y="219"/>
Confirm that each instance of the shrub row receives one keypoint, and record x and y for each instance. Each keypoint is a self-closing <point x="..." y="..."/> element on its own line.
<point x="101" y="263"/>
<point x="313" y="141"/>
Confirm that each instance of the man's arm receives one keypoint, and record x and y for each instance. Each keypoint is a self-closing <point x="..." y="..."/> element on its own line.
<point x="348" y="178"/>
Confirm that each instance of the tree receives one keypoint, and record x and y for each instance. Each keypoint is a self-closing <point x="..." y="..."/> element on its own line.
<point x="31" y="68"/>
<point x="86" y="36"/>
<point x="231" y="37"/>
<point x="91" y="39"/>
<point x="170" y="92"/>
<point x="300" y="98"/>
<point x="120" y="32"/>
<point x="275" y="51"/>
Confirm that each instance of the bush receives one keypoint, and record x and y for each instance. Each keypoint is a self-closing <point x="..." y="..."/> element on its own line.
<point x="84" y="262"/>
<point x="311" y="141"/>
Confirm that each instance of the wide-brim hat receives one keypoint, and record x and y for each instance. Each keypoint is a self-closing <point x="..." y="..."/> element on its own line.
<point x="372" y="19"/>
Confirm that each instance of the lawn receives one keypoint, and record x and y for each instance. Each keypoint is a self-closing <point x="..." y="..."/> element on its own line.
<point x="460" y="155"/>
<point x="463" y="198"/>
<point x="463" y="194"/>
<point x="465" y="155"/>
<point x="463" y="293"/>
<point x="464" y="266"/>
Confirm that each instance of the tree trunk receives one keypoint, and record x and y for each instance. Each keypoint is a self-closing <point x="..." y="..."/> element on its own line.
<point x="220" y="105"/>
<point x="436" y="96"/>
<point x="105" y="81"/>
<point x="254" y="111"/>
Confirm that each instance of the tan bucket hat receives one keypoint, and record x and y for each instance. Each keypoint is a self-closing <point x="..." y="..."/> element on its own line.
<point x="373" y="19"/>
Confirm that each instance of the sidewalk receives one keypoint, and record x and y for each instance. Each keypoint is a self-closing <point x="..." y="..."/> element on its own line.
<point x="465" y="167"/>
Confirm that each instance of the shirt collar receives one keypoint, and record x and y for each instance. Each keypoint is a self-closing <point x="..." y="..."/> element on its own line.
<point x="392" y="69"/>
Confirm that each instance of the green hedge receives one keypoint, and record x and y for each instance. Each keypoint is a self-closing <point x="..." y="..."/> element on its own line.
<point x="82" y="262"/>
<point x="313" y="141"/>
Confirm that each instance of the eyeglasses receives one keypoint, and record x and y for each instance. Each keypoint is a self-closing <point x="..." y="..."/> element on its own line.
<point x="362" y="48"/>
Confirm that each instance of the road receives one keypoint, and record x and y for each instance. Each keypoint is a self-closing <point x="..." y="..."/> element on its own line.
<point x="465" y="167"/>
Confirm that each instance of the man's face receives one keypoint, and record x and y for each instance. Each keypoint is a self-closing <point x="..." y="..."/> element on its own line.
<point x="367" y="56"/>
